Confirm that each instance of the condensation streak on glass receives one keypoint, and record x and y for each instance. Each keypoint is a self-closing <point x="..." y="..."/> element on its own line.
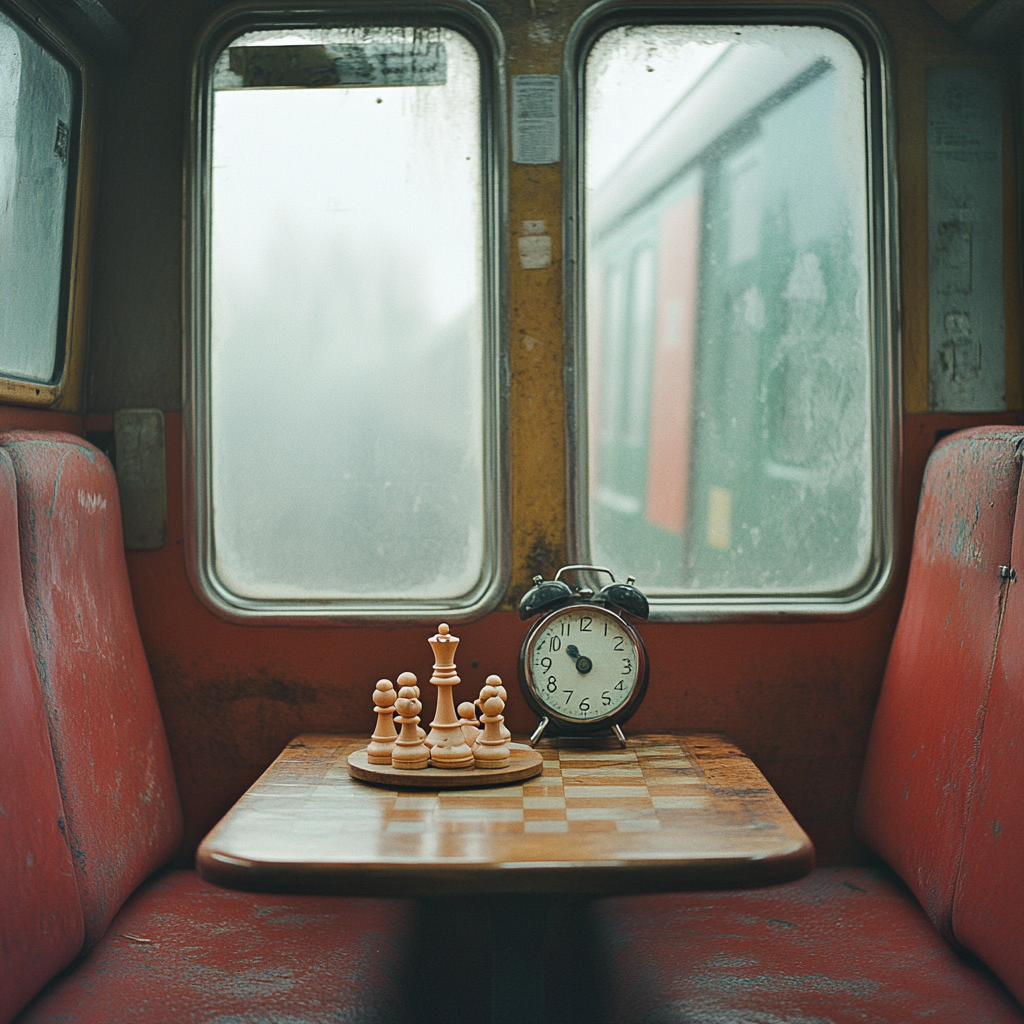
<point x="36" y="98"/>
<point x="346" y="335"/>
<point x="728" y="341"/>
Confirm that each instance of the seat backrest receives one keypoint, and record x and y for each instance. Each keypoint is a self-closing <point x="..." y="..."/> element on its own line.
<point x="940" y="798"/>
<point x="41" y="927"/>
<point x="988" y="905"/>
<point x="927" y="731"/>
<point x="121" y="808"/>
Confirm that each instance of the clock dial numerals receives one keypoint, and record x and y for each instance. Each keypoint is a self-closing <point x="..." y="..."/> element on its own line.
<point x="583" y="664"/>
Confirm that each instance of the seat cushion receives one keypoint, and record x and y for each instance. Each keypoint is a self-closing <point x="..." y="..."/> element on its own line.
<point x="120" y="802"/>
<point x="842" y="945"/>
<point x="41" y="926"/>
<point x="925" y="737"/>
<point x="182" y="950"/>
<point x="988" y="907"/>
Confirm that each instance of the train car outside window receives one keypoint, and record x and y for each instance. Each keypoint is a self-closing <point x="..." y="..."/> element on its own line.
<point x="38" y="100"/>
<point x="734" y="405"/>
<point x="346" y="374"/>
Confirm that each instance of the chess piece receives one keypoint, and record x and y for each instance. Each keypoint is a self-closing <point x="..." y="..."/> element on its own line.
<point x="495" y="681"/>
<point x="378" y="750"/>
<point x="492" y="751"/>
<point x="410" y="752"/>
<point x="408" y="679"/>
<point x="448" y="748"/>
<point x="470" y="731"/>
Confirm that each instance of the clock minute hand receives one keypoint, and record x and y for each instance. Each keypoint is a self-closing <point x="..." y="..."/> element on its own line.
<point x="583" y="663"/>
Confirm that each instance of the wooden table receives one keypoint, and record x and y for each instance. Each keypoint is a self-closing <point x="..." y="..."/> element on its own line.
<point x="667" y="813"/>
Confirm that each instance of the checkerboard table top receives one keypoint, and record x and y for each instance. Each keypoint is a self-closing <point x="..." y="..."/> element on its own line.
<point x="667" y="812"/>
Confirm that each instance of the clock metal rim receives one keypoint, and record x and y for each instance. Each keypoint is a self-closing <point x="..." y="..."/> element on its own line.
<point x="577" y="726"/>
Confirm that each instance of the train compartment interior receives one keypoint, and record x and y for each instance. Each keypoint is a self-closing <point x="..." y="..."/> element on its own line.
<point x="323" y="323"/>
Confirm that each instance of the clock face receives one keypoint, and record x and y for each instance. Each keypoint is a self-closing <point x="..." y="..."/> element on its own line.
<point x="583" y="664"/>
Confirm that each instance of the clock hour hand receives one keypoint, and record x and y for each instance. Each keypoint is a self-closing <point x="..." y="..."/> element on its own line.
<point x="583" y="663"/>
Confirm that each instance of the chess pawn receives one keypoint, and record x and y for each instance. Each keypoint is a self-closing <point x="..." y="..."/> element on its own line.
<point x="471" y="733"/>
<point x="448" y="747"/>
<point x="495" y="681"/>
<point x="408" y="679"/>
<point x="410" y="752"/>
<point x="492" y="751"/>
<point x="378" y="750"/>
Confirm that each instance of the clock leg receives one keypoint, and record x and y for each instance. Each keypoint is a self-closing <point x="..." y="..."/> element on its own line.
<point x="620" y="735"/>
<point x="539" y="731"/>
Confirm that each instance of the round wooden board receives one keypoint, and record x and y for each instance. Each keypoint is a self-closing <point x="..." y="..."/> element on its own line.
<point x="525" y="764"/>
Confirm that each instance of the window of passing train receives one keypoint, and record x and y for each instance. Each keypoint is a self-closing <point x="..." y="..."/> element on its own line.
<point x="351" y="428"/>
<point x="37" y="95"/>
<point x="731" y="413"/>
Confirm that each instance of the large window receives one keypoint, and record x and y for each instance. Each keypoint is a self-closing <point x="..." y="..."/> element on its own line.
<point x="40" y="101"/>
<point x="733" y="393"/>
<point x="346" y="373"/>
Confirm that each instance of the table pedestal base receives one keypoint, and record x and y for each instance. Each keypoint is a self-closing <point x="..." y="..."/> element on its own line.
<point x="520" y="960"/>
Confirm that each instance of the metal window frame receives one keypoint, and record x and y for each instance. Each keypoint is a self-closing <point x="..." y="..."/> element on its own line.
<point x="481" y="30"/>
<point x="864" y="32"/>
<point x="64" y="389"/>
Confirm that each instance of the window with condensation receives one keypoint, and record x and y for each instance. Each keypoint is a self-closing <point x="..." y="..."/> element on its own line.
<point x="37" y="128"/>
<point x="733" y="392"/>
<point x="348" y="394"/>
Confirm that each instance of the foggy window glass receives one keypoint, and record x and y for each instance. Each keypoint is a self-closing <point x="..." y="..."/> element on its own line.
<point x="36" y="97"/>
<point x="728" y="332"/>
<point x="347" y="326"/>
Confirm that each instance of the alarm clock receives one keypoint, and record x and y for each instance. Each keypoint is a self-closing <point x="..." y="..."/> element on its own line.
<point x="582" y="667"/>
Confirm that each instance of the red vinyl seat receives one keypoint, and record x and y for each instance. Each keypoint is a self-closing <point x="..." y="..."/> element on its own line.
<point x="41" y="924"/>
<point x="182" y="951"/>
<point x="844" y="945"/>
<point x="116" y="781"/>
<point x="941" y="795"/>
<point x="91" y="808"/>
<point x="940" y="802"/>
<point x="988" y="902"/>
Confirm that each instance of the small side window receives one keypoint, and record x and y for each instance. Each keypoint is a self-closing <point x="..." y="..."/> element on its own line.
<point x="734" y="416"/>
<point x="39" y="131"/>
<point x="346" y="363"/>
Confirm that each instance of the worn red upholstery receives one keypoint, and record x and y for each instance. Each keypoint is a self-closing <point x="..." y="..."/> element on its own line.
<point x="843" y="946"/>
<point x="988" y="907"/>
<point x="182" y="950"/>
<point x="121" y="809"/>
<point x="927" y="730"/>
<point x="41" y="926"/>
<point x="75" y="842"/>
<point x="941" y="801"/>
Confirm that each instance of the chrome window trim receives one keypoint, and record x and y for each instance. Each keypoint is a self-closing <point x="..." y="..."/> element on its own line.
<point x="482" y="31"/>
<point x="861" y="29"/>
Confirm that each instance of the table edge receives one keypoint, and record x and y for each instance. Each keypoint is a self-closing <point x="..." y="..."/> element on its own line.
<point x="658" y="874"/>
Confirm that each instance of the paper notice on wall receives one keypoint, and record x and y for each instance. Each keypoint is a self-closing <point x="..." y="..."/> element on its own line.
<point x="966" y="327"/>
<point x="536" y="119"/>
